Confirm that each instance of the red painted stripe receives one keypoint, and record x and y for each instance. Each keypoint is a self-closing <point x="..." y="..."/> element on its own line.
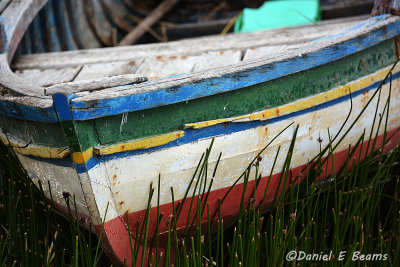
<point x="116" y="241"/>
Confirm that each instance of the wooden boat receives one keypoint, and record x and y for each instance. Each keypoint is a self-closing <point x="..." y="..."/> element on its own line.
<point x="88" y="122"/>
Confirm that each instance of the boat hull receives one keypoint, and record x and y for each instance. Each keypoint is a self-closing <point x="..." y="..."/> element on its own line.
<point x="120" y="182"/>
<point x="106" y="147"/>
<point x="117" y="243"/>
<point x="131" y="175"/>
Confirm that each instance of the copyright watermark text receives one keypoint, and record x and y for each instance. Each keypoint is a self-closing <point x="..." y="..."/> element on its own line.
<point x="295" y="255"/>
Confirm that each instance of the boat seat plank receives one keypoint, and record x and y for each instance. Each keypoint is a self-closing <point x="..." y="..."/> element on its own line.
<point x="94" y="84"/>
<point x="218" y="59"/>
<point x="187" y="47"/>
<point x="255" y="53"/>
<point x="223" y="77"/>
<point x="163" y="66"/>
<point x="48" y="77"/>
<point x="97" y="71"/>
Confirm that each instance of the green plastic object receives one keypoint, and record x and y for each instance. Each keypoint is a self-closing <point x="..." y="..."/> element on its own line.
<point x="278" y="14"/>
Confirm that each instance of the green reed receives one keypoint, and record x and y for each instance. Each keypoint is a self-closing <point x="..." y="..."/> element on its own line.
<point x="351" y="209"/>
<point x="32" y="231"/>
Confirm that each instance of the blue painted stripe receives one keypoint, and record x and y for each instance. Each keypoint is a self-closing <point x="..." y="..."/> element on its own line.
<point x="21" y="111"/>
<point x="90" y="164"/>
<point x="65" y="162"/>
<point x="192" y="135"/>
<point x="61" y="103"/>
<point x="231" y="81"/>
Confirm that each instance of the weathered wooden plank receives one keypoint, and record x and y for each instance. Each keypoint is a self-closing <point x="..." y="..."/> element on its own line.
<point x="48" y="77"/>
<point x="14" y="21"/>
<point x="218" y="59"/>
<point x="15" y="84"/>
<point x="187" y="47"/>
<point x="261" y="97"/>
<point x="96" y="71"/>
<point x="28" y="108"/>
<point x="162" y="66"/>
<point x="46" y="171"/>
<point x="265" y="52"/>
<point x="191" y="86"/>
<point x="36" y="134"/>
<point x="95" y="84"/>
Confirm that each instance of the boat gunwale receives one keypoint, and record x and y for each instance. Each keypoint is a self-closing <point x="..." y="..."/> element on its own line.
<point x="96" y="104"/>
<point x="88" y="103"/>
<point x="185" y="45"/>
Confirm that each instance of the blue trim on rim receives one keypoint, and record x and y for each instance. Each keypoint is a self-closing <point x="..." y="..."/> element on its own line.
<point x="20" y="111"/>
<point x="61" y="103"/>
<point x="232" y="81"/>
<point x="228" y="82"/>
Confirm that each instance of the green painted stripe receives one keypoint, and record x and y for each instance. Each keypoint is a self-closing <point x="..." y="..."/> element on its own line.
<point x="169" y="118"/>
<point x="70" y="136"/>
<point x="86" y="133"/>
<point x="36" y="133"/>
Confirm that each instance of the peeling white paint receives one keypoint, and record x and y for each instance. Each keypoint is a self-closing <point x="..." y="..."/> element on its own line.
<point x="177" y="164"/>
<point x="123" y="121"/>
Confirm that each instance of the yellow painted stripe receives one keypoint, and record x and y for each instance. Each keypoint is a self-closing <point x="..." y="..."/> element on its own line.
<point x="140" y="144"/>
<point x="37" y="151"/>
<point x="301" y="104"/>
<point x="44" y="152"/>
<point x="82" y="157"/>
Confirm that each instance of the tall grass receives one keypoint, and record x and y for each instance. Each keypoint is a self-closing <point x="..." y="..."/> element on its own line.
<point x="349" y="215"/>
<point x="347" y="211"/>
<point x="32" y="231"/>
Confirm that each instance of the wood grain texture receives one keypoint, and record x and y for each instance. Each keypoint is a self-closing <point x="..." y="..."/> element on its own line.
<point x="250" y="100"/>
<point x="200" y="84"/>
<point x="94" y="84"/>
<point x="28" y="108"/>
<point x="187" y="47"/>
<point x="192" y="136"/>
<point x="96" y="71"/>
<point x="256" y="53"/>
<point x="163" y="66"/>
<point x="14" y="21"/>
<point x="48" y="77"/>
<point x="15" y="84"/>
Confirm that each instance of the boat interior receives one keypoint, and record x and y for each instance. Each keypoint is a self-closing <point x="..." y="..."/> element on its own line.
<point x="161" y="60"/>
<point x="85" y="71"/>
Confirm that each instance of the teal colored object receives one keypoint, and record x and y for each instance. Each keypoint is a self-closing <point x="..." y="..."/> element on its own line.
<point x="278" y="14"/>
